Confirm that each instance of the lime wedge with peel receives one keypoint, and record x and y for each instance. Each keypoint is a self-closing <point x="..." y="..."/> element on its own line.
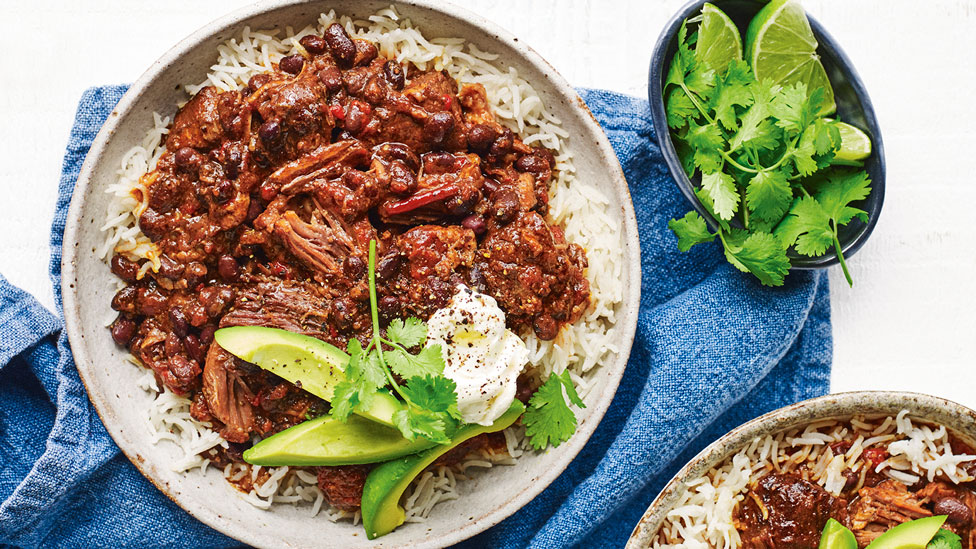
<point x="719" y="41"/>
<point x="855" y="145"/>
<point x="781" y="47"/>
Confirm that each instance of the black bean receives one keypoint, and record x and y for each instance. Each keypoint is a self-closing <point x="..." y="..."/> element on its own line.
<point x="545" y="327"/>
<point x="125" y="299"/>
<point x="178" y="321"/>
<point x="258" y="81"/>
<point x="195" y="273"/>
<point x="150" y="302"/>
<point x="227" y="268"/>
<point x="207" y="335"/>
<point x="506" y="206"/>
<point x="331" y="78"/>
<point x="480" y="137"/>
<point x="153" y="223"/>
<point x="388" y="267"/>
<point x="531" y="163"/>
<point x="187" y="158"/>
<point x="462" y="204"/>
<point x="389" y="308"/>
<point x="393" y="72"/>
<point x="341" y="46"/>
<point x="254" y="209"/>
<point x="124" y="269"/>
<point x="192" y="345"/>
<point x="957" y="511"/>
<point x="173" y="346"/>
<point x="440" y="159"/>
<point x="365" y="52"/>
<point x="438" y="126"/>
<point x="235" y="450"/>
<point x="399" y="151"/>
<point x="313" y="44"/>
<point x="353" y="267"/>
<point x="502" y="144"/>
<point x="269" y="131"/>
<point x="356" y="118"/>
<point x="122" y="330"/>
<point x="292" y="64"/>
<point x="475" y="223"/>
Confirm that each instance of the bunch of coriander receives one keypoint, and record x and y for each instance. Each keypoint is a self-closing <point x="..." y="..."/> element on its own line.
<point x="765" y="154"/>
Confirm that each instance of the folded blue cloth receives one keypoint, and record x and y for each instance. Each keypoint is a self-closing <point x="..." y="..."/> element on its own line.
<point x="713" y="349"/>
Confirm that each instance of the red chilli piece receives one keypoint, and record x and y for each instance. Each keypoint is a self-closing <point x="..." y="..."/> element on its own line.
<point x="420" y="200"/>
<point x="875" y="456"/>
<point x="338" y="112"/>
<point x="448" y="101"/>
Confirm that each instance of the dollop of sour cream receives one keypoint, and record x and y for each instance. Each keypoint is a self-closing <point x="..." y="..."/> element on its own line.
<point x="482" y="356"/>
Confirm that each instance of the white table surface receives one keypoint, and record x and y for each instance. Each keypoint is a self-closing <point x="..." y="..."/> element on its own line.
<point x="907" y="324"/>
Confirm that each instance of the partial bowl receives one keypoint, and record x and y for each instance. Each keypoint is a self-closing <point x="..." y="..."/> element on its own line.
<point x="853" y="106"/>
<point x="956" y="417"/>
<point x="88" y="288"/>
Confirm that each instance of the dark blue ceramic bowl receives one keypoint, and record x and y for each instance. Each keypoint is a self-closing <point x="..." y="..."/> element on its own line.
<point x="853" y="107"/>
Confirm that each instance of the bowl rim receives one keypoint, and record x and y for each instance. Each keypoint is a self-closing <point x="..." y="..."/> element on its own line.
<point x="625" y="322"/>
<point x="655" y="93"/>
<point x="776" y="421"/>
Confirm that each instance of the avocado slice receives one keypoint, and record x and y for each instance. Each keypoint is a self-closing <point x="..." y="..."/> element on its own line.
<point x="312" y="364"/>
<point x="915" y="534"/>
<point x="385" y="484"/>
<point x="328" y="441"/>
<point x="837" y="536"/>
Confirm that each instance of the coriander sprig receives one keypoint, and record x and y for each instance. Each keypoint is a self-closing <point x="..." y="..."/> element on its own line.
<point x="430" y="398"/>
<point x="765" y="154"/>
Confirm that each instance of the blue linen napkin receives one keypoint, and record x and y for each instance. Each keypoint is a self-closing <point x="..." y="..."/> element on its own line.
<point x="713" y="349"/>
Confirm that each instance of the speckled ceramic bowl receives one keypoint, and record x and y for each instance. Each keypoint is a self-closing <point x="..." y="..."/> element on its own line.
<point x="122" y="406"/>
<point x="958" y="418"/>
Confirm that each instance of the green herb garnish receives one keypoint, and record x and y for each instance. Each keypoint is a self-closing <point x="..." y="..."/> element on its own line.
<point x="548" y="419"/>
<point x="944" y="539"/>
<point x="764" y="153"/>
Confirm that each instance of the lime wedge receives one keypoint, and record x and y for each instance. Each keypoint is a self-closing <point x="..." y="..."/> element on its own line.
<point x="781" y="47"/>
<point x="854" y="144"/>
<point x="718" y="40"/>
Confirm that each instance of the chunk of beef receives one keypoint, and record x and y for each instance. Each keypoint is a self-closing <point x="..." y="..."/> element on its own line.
<point x="784" y="511"/>
<point x="537" y="278"/>
<point x="199" y="123"/>
<point x="296" y="116"/>
<point x="878" y="508"/>
<point x="227" y="395"/>
<point x="343" y="485"/>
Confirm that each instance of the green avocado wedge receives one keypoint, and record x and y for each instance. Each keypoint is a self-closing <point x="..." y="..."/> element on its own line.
<point x="385" y="484"/>
<point x="328" y="441"/>
<point x="914" y="534"/>
<point x="312" y="364"/>
<point x="837" y="536"/>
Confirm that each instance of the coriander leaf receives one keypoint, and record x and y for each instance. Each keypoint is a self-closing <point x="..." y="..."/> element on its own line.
<point x="680" y="109"/>
<point x="808" y="226"/>
<point x="413" y="422"/>
<point x="433" y="393"/>
<point x="788" y="107"/>
<point x="686" y="155"/>
<point x="567" y="382"/>
<point x="682" y="58"/>
<point x="731" y="91"/>
<point x="944" y="539"/>
<point x="839" y="190"/>
<point x="769" y="195"/>
<point x="707" y="142"/>
<point x="701" y="81"/>
<point x="409" y="333"/>
<point x="690" y="230"/>
<point x="548" y="419"/>
<point x="363" y="375"/>
<point x="428" y="361"/>
<point x="706" y="201"/>
<point x="756" y="128"/>
<point x="826" y="136"/>
<point x="721" y="189"/>
<point x="802" y="153"/>
<point x="762" y="255"/>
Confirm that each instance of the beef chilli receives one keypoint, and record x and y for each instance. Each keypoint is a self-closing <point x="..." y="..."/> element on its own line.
<point x="263" y="205"/>
<point x="785" y="510"/>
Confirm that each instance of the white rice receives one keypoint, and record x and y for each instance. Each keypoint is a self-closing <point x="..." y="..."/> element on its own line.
<point x="579" y="207"/>
<point x="703" y="517"/>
